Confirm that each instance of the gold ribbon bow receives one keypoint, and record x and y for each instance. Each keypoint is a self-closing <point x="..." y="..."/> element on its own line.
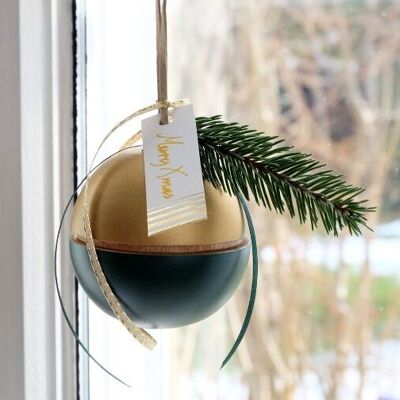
<point x="141" y="335"/>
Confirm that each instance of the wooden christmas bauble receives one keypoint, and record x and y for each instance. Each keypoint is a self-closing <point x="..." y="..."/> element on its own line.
<point x="171" y="279"/>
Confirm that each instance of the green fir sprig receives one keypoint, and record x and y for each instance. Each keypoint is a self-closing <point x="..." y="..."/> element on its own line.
<point x="243" y="160"/>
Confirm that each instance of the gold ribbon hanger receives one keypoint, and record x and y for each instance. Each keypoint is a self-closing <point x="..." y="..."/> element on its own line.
<point x="141" y="335"/>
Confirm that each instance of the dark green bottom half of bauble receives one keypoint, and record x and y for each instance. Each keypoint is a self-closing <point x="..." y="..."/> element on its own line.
<point x="163" y="291"/>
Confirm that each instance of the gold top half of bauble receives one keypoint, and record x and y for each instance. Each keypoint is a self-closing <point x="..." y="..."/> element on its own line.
<point x="118" y="214"/>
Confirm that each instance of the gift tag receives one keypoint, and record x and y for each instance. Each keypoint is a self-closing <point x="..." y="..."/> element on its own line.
<point x="174" y="183"/>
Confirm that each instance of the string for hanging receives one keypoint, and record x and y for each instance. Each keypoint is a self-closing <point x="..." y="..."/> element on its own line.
<point x="162" y="59"/>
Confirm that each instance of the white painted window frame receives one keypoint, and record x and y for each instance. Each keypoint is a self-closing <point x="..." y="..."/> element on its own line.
<point x="37" y="353"/>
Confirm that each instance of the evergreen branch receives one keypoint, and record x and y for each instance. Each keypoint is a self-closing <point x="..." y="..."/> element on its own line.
<point x="244" y="161"/>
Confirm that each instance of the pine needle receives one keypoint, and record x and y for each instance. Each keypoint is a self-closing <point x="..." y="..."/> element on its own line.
<point x="243" y="161"/>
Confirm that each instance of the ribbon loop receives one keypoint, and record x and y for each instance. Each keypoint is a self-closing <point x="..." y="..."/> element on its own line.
<point x="138" y="333"/>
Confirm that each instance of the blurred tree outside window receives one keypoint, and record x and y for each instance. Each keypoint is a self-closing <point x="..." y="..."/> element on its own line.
<point x="326" y="77"/>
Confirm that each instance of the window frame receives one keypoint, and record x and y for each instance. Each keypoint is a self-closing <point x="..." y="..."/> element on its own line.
<point x="38" y="351"/>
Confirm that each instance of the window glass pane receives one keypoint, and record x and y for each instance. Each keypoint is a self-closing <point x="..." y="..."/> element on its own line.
<point x="324" y="76"/>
